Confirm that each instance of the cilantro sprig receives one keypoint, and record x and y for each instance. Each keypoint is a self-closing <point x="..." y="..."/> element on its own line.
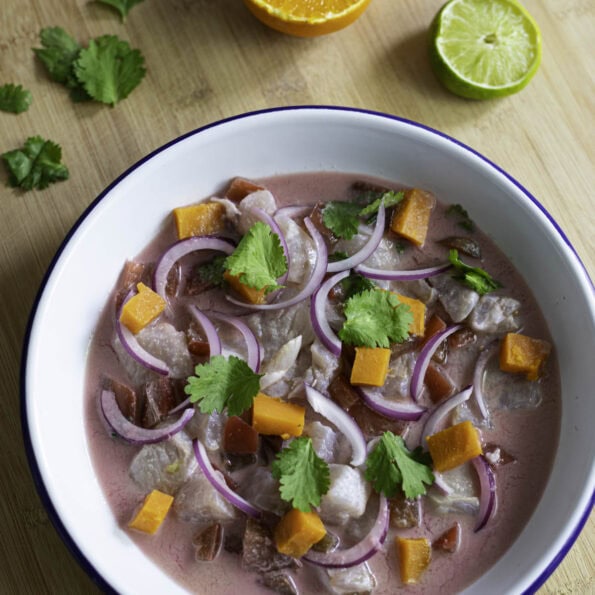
<point x="122" y="6"/>
<point x="391" y="467"/>
<point x="36" y="165"/>
<point x="15" y="99"/>
<point x="258" y="259"/>
<point x="223" y="383"/>
<point x="106" y="71"/>
<point x="474" y="277"/>
<point x="356" y="283"/>
<point x="303" y="476"/>
<point x="465" y="220"/>
<point x="375" y="318"/>
<point x="343" y="218"/>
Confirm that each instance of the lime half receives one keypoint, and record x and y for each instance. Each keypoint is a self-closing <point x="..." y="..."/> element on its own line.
<point x="484" y="48"/>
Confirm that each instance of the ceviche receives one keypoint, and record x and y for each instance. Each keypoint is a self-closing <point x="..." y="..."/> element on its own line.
<point x="322" y="383"/>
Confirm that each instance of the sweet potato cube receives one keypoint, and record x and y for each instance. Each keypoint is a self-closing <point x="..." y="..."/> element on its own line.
<point x="519" y="353"/>
<point x="297" y="532"/>
<point x="203" y="219"/>
<point x="418" y="310"/>
<point x="412" y="217"/>
<point x="370" y="366"/>
<point x="414" y="557"/>
<point x="142" y="308"/>
<point x="250" y="294"/>
<point x="275" y="417"/>
<point x="454" y="446"/>
<point x="152" y="513"/>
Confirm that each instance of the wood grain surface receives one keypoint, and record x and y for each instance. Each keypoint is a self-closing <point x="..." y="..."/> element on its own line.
<point x="210" y="59"/>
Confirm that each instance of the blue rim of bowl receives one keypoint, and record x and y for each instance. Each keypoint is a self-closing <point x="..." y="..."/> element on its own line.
<point x="41" y="489"/>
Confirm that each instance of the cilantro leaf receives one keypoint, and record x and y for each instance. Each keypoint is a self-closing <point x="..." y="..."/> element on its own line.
<point x="474" y="277"/>
<point x="223" y="382"/>
<point x="58" y="55"/>
<point x="338" y="255"/>
<point x="109" y="69"/>
<point x="375" y="318"/>
<point x="342" y="218"/>
<point x="122" y="6"/>
<point x="390" y="199"/>
<point x="258" y="259"/>
<point x="465" y="221"/>
<point x="15" y="99"/>
<point x="36" y="165"/>
<point x="303" y="475"/>
<point x="391" y="465"/>
<point x="212" y="272"/>
<point x="355" y="284"/>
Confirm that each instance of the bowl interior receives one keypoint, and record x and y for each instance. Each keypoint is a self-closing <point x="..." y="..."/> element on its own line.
<point x="131" y="211"/>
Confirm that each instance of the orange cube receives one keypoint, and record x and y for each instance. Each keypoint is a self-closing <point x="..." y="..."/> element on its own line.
<point x="418" y="309"/>
<point x="414" y="557"/>
<point x="297" y="532"/>
<point x="142" y="308"/>
<point x="519" y="353"/>
<point x="454" y="446"/>
<point x="152" y="513"/>
<point x="411" y="218"/>
<point x="203" y="219"/>
<point x="274" y="417"/>
<point x="250" y="294"/>
<point x="370" y="366"/>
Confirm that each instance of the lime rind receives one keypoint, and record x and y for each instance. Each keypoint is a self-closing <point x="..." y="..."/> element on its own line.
<point x="481" y="50"/>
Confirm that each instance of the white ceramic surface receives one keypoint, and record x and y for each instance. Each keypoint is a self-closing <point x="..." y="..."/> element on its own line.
<point x="264" y="144"/>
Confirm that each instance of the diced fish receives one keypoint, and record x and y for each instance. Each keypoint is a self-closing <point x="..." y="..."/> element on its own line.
<point x="355" y="580"/>
<point x="495" y="314"/>
<point x="208" y="428"/>
<point x="301" y="248"/>
<point x="261" y="489"/>
<point x="164" y="466"/>
<point x="347" y="495"/>
<point x="259" y="552"/>
<point x="457" y="300"/>
<point x="261" y="199"/>
<point x="277" y="367"/>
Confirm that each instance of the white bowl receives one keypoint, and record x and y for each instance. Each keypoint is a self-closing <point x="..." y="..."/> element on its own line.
<point x="263" y="144"/>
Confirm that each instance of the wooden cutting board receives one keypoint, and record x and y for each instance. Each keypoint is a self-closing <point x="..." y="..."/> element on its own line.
<point x="209" y="59"/>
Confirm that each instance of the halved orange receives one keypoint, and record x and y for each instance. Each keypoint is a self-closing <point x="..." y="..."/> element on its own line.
<point x="307" y="18"/>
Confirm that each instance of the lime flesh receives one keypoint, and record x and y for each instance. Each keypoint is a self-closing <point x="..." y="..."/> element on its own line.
<point x="484" y="48"/>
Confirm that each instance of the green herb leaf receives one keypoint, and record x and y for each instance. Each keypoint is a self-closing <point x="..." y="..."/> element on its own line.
<point x="390" y="199"/>
<point x="212" y="272"/>
<point x="337" y="256"/>
<point x="303" y="475"/>
<point x="109" y="69"/>
<point x="58" y="55"/>
<point x="342" y="218"/>
<point x="258" y="259"/>
<point x="375" y="318"/>
<point x="223" y="382"/>
<point x="465" y="221"/>
<point x="355" y="284"/>
<point x="474" y="277"/>
<point x="122" y="6"/>
<point x="15" y="99"/>
<point x="36" y="165"/>
<point x="392" y="466"/>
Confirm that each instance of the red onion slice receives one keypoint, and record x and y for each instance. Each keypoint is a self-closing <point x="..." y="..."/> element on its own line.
<point x="180" y="249"/>
<point x="404" y="410"/>
<point x="423" y="360"/>
<point x="253" y="347"/>
<point x="360" y="552"/>
<point x="318" y="314"/>
<point x="266" y="218"/>
<point x="135" y="434"/>
<point x="310" y="287"/>
<point x="487" y="489"/>
<point x="412" y="275"/>
<point x="442" y="410"/>
<point x="133" y="348"/>
<point x="209" y="329"/>
<point x="217" y="481"/>
<point x="341" y="420"/>
<point x="293" y="211"/>
<point x="480" y="366"/>
<point x="368" y="248"/>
